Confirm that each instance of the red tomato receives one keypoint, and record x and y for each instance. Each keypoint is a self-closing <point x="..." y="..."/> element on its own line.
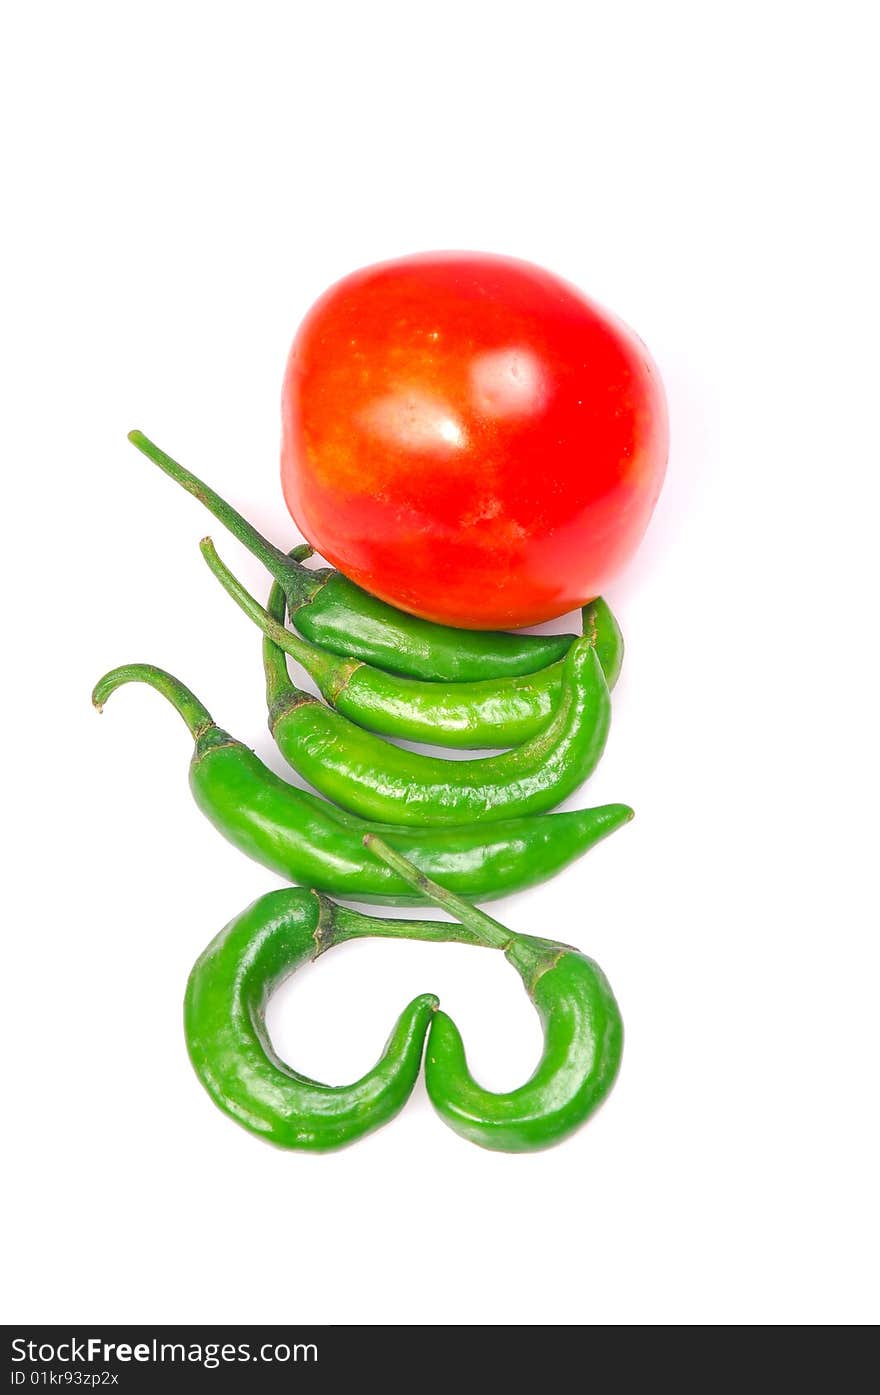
<point x="470" y="438"/>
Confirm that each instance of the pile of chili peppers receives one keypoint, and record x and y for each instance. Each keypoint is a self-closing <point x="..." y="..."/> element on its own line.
<point x="398" y="828"/>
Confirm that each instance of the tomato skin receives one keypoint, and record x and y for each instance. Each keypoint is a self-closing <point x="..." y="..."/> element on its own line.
<point x="469" y="438"/>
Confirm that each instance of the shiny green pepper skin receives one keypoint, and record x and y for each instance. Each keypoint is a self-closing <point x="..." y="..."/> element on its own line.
<point x="583" y="1043"/>
<point x="307" y="840"/>
<point x="495" y="712"/>
<point x="225" y="1025"/>
<point x="386" y="783"/>
<point x="583" y="1034"/>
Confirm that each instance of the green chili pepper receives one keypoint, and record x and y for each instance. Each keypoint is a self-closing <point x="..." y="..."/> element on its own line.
<point x="492" y="712"/>
<point x="331" y="611"/>
<point x="307" y="840"/>
<point x="583" y="1036"/>
<point x="229" y="1046"/>
<point x="370" y="777"/>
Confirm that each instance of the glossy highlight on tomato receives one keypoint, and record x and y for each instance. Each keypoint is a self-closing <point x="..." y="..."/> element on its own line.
<point x="470" y="438"/>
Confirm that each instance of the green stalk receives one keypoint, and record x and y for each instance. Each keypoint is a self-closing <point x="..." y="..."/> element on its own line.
<point x="352" y="925"/>
<point x="300" y="585"/>
<point x="329" y="672"/>
<point x="197" y="717"/>
<point x="278" y="684"/>
<point x="484" y="928"/>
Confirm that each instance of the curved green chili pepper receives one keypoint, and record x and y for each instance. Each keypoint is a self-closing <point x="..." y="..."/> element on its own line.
<point x="492" y="712"/>
<point x="380" y="781"/>
<point x="229" y="1046"/>
<point x="370" y="777"/>
<point x="331" y="611"/>
<point x="583" y="1037"/>
<point x="307" y="840"/>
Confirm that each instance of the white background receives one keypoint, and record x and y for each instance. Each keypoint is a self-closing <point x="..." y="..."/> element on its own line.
<point x="181" y="181"/>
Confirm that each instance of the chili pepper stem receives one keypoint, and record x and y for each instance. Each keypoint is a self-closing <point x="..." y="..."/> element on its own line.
<point x="300" y="584"/>
<point x="331" y="672"/>
<point x="346" y="924"/>
<point x="301" y="553"/>
<point x="278" y="684"/>
<point x="487" y="930"/>
<point x="197" y="717"/>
